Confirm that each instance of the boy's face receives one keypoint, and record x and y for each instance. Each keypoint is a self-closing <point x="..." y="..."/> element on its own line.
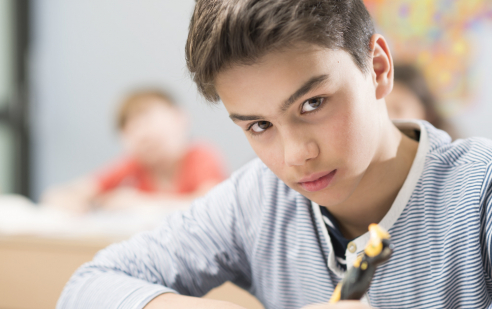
<point x="311" y="116"/>
<point x="155" y="133"/>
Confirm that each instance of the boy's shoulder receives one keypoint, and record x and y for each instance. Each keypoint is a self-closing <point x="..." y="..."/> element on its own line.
<point x="474" y="150"/>
<point x="253" y="172"/>
<point x="253" y="166"/>
<point x="256" y="179"/>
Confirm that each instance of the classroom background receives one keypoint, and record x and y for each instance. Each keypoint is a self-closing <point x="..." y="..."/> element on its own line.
<point x="65" y="65"/>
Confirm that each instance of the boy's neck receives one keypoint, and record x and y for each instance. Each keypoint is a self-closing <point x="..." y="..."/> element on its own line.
<point x="379" y="187"/>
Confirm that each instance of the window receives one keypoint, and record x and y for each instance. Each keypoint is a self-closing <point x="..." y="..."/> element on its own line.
<point x="14" y="158"/>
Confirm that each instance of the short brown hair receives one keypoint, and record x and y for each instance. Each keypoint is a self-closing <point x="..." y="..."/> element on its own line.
<point x="136" y="99"/>
<point x="227" y="32"/>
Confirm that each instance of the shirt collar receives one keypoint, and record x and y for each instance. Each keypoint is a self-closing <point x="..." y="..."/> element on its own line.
<point x="398" y="205"/>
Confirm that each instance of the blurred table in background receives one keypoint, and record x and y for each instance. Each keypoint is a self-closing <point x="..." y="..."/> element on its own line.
<point x="34" y="270"/>
<point x="35" y="266"/>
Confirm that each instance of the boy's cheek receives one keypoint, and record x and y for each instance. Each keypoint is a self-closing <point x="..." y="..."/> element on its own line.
<point x="270" y="155"/>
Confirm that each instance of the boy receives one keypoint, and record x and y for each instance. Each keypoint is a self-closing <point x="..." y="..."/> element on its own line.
<point x="160" y="166"/>
<point x="306" y="80"/>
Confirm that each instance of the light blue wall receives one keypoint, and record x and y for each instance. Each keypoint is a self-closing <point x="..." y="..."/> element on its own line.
<point x="86" y="55"/>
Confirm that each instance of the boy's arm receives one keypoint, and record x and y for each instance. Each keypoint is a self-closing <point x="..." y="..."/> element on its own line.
<point x="77" y="196"/>
<point x="127" y="198"/>
<point x="485" y="211"/>
<point x="191" y="253"/>
<point x="171" y="301"/>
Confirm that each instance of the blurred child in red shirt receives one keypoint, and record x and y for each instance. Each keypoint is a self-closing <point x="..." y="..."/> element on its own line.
<point x="160" y="165"/>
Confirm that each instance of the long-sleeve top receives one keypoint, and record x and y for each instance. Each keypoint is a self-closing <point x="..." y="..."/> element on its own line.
<point x="258" y="233"/>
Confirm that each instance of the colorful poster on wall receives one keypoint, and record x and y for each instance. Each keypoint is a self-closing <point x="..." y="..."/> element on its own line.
<point x="444" y="38"/>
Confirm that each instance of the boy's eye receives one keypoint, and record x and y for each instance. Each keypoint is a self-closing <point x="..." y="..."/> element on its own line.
<point x="311" y="104"/>
<point x="260" y="126"/>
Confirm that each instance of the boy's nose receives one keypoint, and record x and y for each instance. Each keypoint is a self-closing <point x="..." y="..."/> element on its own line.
<point x="299" y="151"/>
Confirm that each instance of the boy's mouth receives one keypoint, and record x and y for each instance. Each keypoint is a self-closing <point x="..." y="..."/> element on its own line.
<point x="318" y="181"/>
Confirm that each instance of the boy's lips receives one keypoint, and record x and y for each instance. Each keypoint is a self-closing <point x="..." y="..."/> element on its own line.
<point x="318" y="181"/>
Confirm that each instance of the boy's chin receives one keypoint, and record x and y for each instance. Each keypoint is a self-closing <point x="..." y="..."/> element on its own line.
<point x="323" y="201"/>
<point x="327" y="197"/>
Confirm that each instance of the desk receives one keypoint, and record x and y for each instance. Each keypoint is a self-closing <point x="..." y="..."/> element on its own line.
<point x="34" y="270"/>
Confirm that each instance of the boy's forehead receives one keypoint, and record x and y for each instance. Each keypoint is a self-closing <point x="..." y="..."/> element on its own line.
<point x="276" y="76"/>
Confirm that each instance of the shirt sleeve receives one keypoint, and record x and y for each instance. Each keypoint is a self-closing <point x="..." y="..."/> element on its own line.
<point x="190" y="253"/>
<point x="202" y="164"/>
<point x="486" y="220"/>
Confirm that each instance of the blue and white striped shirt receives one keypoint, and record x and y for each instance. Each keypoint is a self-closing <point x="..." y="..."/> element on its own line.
<point x="267" y="238"/>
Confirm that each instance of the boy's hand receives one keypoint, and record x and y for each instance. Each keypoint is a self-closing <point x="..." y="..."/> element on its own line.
<point x="340" y="305"/>
<point x="170" y="301"/>
<point x="122" y="198"/>
<point x="76" y="197"/>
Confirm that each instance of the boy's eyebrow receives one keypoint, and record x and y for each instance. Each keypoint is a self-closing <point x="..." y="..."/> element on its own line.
<point x="238" y="117"/>
<point x="305" y="88"/>
<point x="310" y="84"/>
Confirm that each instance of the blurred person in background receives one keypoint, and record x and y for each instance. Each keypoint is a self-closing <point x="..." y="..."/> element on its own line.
<point x="160" y="165"/>
<point x="411" y="98"/>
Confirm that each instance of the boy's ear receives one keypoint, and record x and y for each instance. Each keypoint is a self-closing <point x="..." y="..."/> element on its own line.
<point x="381" y="66"/>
